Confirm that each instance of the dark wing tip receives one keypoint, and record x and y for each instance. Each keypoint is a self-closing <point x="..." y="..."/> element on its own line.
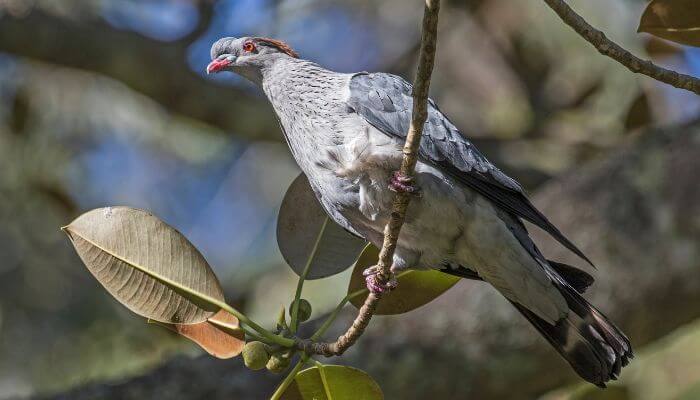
<point x="460" y="271"/>
<point x="534" y="215"/>
<point x="577" y="278"/>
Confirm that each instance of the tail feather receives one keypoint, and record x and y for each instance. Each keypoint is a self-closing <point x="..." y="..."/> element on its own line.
<point x="596" y="349"/>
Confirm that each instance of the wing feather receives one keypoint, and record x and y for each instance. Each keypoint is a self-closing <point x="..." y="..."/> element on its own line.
<point x="385" y="101"/>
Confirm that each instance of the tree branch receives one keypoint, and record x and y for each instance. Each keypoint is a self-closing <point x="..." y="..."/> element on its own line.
<point x="611" y="49"/>
<point x="205" y="9"/>
<point x="421" y="87"/>
<point x="156" y="69"/>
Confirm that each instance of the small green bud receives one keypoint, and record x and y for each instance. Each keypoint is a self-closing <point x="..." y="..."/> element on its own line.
<point x="281" y="321"/>
<point x="278" y="363"/>
<point x="304" y="312"/>
<point x="255" y="355"/>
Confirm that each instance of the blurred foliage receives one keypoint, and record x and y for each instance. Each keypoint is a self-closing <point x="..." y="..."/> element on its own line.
<point x="77" y="134"/>
<point x="666" y="369"/>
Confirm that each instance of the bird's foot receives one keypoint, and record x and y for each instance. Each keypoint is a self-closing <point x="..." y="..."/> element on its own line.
<point x="377" y="285"/>
<point x="403" y="184"/>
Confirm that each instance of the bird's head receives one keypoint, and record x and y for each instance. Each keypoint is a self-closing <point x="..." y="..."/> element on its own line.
<point x="247" y="55"/>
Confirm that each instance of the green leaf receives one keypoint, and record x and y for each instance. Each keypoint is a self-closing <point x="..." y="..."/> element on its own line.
<point x="333" y="382"/>
<point x="300" y="222"/>
<point x="146" y="265"/>
<point x="674" y="20"/>
<point x="416" y="288"/>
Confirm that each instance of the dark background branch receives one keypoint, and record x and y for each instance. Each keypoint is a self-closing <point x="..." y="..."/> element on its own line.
<point x="154" y="68"/>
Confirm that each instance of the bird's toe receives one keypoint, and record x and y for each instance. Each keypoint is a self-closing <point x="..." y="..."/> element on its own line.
<point x="378" y="284"/>
<point x="401" y="183"/>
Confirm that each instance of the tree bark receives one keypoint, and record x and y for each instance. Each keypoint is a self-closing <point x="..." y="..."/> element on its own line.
<point x="634" y="213"/>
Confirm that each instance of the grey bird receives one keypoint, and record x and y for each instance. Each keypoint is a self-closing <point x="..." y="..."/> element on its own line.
<point x="346" y="132"/>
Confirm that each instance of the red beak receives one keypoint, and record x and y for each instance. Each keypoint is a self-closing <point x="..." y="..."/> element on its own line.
<point x="217" y="65"/>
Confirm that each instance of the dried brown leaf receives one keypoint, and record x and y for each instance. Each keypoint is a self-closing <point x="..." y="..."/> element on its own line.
<point x="674" y="20"/>
<point x="146" y="265"/>
<point x="219" y="336"/>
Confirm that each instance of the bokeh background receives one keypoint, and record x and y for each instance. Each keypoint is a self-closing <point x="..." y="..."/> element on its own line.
<point x="105" y="102"/>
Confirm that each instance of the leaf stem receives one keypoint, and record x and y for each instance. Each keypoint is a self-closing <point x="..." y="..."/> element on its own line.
<point x="252" y="334"/>
<point x="276" y="339"/>
<point x="324" y="381"/>
<point x="288" y="380"/>
<point x="294" y="323"/>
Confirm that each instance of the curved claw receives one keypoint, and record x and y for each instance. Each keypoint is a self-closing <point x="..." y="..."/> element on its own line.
<point x="403" y="184"/>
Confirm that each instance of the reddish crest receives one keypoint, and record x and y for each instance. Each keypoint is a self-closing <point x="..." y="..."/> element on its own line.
<point x="279" y="45"/>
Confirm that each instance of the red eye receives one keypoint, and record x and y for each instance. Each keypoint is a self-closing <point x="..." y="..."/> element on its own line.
<point x="249" y="47"/>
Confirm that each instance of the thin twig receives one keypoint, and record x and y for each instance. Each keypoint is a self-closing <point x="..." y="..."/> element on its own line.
<point x="611" y="49"/>
<point x="401" y="200"/>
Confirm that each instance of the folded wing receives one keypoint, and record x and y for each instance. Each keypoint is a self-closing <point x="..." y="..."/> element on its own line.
<point x="385" y="101"/>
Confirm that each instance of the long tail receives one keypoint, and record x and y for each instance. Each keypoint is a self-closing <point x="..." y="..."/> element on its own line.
<point x="596" y="349"/>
